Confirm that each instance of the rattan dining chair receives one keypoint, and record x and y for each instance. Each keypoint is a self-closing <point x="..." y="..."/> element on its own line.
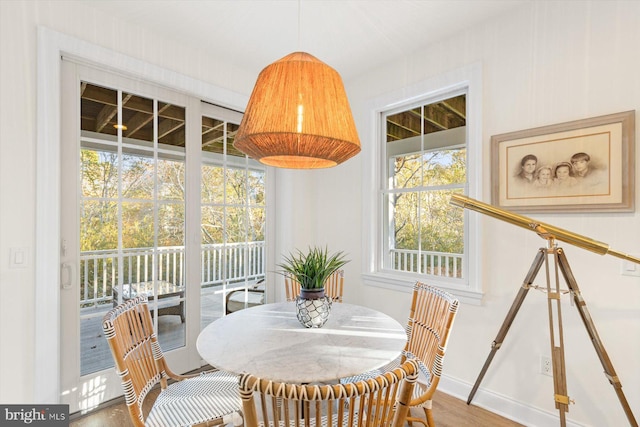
<point x="333" y="286"/>
<point x="428" y="328"/>
<point x="376" y="402"/>
<point x="205" y="399"/>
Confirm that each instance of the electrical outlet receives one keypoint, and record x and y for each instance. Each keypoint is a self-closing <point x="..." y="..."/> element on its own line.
<point x="546" y="367"/>
<point x="628" y="268"/>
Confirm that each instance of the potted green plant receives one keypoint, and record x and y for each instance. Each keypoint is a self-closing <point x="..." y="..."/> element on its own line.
<point x="311" y="270"/>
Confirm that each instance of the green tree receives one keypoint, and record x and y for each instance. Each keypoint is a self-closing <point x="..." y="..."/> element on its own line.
<point x="422" y="216"/>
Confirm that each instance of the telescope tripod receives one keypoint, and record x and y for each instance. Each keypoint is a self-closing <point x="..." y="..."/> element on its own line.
<point x="555" y="330"/>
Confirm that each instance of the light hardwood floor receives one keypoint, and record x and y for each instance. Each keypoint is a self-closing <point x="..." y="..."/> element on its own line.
<point x="448" y="412"/>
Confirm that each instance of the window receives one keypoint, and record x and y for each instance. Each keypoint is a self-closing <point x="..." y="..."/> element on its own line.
<point x="137" y="171"/>
<point x="233" y="214"/>
<point x="427" y="150"/>
<point x="132" y="204"/>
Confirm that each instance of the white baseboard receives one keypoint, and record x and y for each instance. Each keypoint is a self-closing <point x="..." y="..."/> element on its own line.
<point x="502" y="405"/>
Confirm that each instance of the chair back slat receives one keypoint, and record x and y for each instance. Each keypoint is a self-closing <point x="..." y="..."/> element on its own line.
<point x="291" y="287"/>
<point x="377" y="402"/>
<point x="430" y="321"/>
<point x="333" y="286"/>
<point x="136" y="352"/>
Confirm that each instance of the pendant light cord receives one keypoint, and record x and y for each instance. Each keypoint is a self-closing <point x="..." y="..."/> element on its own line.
<point x="299" y="14"/>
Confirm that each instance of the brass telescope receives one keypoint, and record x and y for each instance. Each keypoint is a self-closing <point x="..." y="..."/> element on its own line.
<point x="545" y="231"/>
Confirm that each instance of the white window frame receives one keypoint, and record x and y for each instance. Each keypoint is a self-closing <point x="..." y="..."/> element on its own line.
<point x="469" y="80"/>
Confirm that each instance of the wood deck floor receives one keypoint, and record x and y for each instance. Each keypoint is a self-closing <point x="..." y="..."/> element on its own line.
<point x="95" y="353"/>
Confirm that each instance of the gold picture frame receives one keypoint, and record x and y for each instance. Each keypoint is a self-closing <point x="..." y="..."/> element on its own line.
<point x="580" y="166"/>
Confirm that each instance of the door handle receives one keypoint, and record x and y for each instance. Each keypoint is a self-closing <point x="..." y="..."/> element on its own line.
<point x="66" y="275"/>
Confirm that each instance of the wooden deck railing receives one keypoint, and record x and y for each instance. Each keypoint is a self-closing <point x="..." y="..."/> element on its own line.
<point x="100" y="272"/>
<point x="436" y="263"/>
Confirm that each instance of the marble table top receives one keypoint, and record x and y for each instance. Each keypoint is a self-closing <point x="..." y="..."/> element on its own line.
<point x="269" y="342"/>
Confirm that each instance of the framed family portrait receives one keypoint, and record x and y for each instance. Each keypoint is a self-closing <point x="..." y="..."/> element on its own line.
<point x="584" y="165"/>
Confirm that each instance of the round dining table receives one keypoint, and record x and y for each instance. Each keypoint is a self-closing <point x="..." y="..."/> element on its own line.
<point x="269" y="342"/>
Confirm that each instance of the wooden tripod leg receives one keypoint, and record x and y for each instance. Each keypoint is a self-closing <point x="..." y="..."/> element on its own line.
<point x="556" y="338"/>
<point x="581" y="306"/>
<point x="506" y="324"/>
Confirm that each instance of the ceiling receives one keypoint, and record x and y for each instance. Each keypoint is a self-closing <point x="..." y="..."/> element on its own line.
<point x="352" y="36"/>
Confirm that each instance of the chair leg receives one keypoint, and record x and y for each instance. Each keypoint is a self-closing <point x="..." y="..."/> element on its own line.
<point x="418" y="420"/>
<point x="428" y="414"/>
<point x="427" y="421"/>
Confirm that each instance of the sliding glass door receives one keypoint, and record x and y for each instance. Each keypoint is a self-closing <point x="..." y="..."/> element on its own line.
<point x="233" y="205"/>
<point x="156" y="202"/>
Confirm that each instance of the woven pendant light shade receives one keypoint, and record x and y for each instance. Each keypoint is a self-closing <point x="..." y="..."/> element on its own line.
<point x="298" y="116"/>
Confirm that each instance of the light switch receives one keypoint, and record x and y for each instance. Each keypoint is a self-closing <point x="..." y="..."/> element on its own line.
<point x="19" y="257"/>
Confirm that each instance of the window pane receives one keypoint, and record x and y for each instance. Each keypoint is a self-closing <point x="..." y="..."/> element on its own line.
<point x="236" y="224"/>
<point x="433" y="168"/>
<point x="235" y="267"/>
<point x="441" y="234"/>
<point x="98" y="225"/>
<point x="256" y="186"/>
<point x="137" y="118"/>
<point x="171" y="125"/>
<point x="257" y="219"/>
<point x="171" y="180"/>
<point x="212" y="184"/>
<point x="236" y="186"/>
<point x="137" y="225"/>
<point x="212" y="218"/>
<point x="404" y="125"/>
<point x="406" y="171"/>
<point x="99" y="174"/>
<point x="405" y="223"/>
<point x="212" y="135"/>
<point x="171" y="224"/>
<point x="446" y="114"/>
<point x="232" y="130"/>
<point x="428" y="233"/>
<point x="137" y="177"/>
<point x="441" y="224"/>
<point x="99" y="109"/>
<point x="443" y="167"/>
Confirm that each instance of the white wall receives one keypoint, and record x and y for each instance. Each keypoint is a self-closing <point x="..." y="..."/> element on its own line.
<point x="548" y="63"/>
